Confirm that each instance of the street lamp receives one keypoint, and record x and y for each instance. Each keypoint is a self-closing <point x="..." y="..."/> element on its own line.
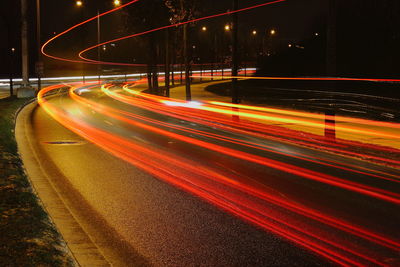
<point x="204" y="28"/>
<point x="273" y="32"/>
<point x="227" y="27"/>
<point x="116" y="3"/>
<point x="254" y="32"/>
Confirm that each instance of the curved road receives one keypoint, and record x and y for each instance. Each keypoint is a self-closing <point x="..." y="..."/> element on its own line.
<point x="197" y="193"/>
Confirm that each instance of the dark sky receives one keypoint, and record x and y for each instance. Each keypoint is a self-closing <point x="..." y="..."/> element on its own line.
<point x="293" y="19"/>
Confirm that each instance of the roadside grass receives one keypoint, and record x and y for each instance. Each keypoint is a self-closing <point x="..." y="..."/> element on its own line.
<point x="27" y="238"/>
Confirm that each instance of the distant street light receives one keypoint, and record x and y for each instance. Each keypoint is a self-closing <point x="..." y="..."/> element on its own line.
<point x="289" y="45"/>
<point x="115" y="3"/>
<point x="254" y="32"/>
<point x="316" y="34"/>
<point x="227" y="27"/>
<point x="273" y="32"/>
<point x="204" y="28"/>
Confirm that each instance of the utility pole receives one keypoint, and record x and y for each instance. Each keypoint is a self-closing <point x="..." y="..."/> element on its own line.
<point x="98" y="42"/>
<point x="24" y="44"/>
<point x="235" y="56"/>
<point x="39" y="63"/>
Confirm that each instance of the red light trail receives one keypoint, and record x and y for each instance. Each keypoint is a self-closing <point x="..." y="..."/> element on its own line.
<point x="258" y="128"/>
<point x="167" y="27"/>
<point x="90" y="61"/>
<point x="338" y="239"/>
<point x="254" y="202"/>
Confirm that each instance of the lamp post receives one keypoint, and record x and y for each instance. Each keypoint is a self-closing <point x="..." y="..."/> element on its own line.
<point x="116" y="3"/>
<point x="24" y="44"/>
<point x="39" y="64"/>
<point x="98" y="43"/>
<point x="235" y="55"/>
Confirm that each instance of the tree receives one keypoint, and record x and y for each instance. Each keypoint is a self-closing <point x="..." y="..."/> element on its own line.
<point x="183" y="10"/>
<point x="139" y="18"/>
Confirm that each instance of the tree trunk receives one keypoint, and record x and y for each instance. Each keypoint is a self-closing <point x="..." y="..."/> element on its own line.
<point x="187" y="62"/>
<point x="149" y="78"/>
<point x="155" y="69"/>
<point x="167" y="63"/>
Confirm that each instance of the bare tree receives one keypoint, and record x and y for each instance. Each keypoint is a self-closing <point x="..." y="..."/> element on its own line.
<point x="140" y="18"/>
<point x="183" y="10"/>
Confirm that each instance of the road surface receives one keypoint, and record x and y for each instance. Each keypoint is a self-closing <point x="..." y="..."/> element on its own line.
<point x="185" y="186"/>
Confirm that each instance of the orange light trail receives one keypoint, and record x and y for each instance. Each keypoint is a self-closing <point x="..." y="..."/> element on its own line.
<point x="298" y="171"/>
<point x="90" y="61"/>
<point x="262" y="116"/>
<point x="167" y="27"/>
<point x="43" y="48"/>
<point x="251" y="128"/>
<point x="310" y="115"/>
<point x="253" y="204"/>
<point x="302" y="78"/>
<point x="343" y="242"/>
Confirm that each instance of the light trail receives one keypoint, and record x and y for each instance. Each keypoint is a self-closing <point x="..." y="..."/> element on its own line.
<point x="256" y="129"/>
<point x="166" y="27"/>
<point x="304" y="78"/>
<point x="91" y="61"/>
<point x="260" y="146"/>
<point x="310" y="115"/>
<point x="43" y="48"/>
<point x="286" y="119"/>
<point x="298" y="171"/>
<point x="295" y="222"/>
<point x="336" y="239"/>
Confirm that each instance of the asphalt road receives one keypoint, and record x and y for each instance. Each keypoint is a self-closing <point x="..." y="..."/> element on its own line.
<point x="208" y="223"/>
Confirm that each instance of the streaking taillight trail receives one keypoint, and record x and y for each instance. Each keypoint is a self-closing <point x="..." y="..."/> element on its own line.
<point x="344" y="242"/>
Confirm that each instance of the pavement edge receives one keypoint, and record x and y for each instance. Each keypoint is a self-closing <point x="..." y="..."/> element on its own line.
<point x="80" y="245"/>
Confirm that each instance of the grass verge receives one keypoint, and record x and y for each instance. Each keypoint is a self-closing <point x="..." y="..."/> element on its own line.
<point x="28" y="238"/>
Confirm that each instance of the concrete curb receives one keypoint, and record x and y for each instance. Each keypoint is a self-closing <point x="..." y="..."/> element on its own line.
<point x="80" y="245"/>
